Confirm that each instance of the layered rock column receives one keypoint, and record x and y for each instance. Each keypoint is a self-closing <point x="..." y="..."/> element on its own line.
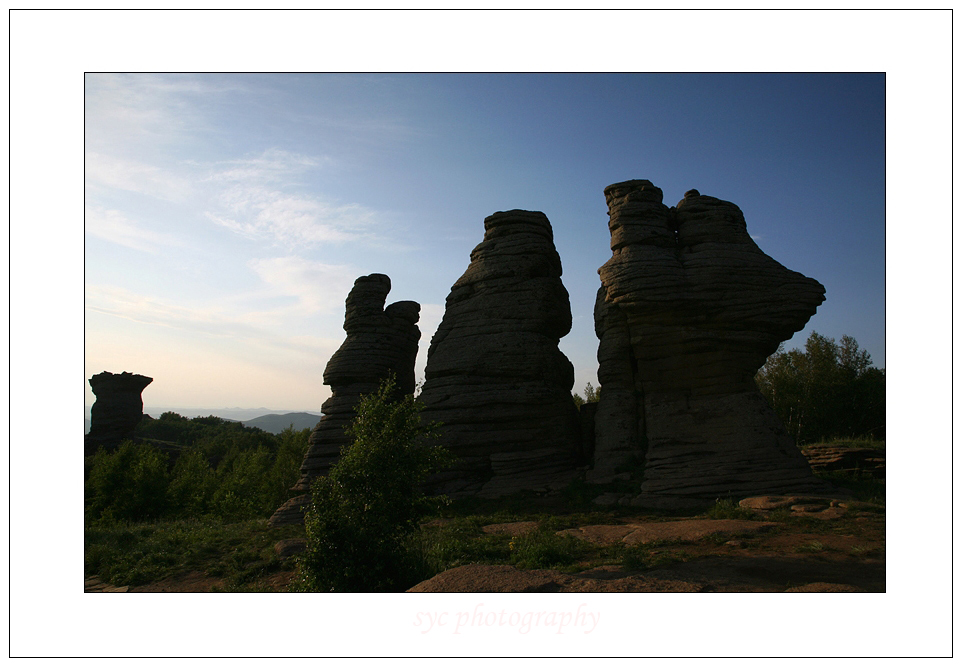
<point x="117" y="410"/>
<point x="495" y="377"/>
<point x="380" y="341"/>
<point x="688" y="311"/>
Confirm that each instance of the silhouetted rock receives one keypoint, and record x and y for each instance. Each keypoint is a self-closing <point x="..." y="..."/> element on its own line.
<point x="380" y="341"/>
<point x="689" y="309"/>
<point x="117" y="410"/>
<point x="495" y="377"/>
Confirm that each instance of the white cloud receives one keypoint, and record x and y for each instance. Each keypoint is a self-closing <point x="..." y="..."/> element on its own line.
<point x="108" y="171"/>
<point x="112" y="225"/>
<point x="257" y="198"/>
<point x="317" y="287"/>
<point x="210" y="321"/>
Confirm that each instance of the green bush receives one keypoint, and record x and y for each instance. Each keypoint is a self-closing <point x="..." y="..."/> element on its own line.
<point x="192" y="485"/>
<point x="363" y="515"/>
<point x="127" y="484"/>
<point x="253" y="473"/>
<point x="545" y="549"/>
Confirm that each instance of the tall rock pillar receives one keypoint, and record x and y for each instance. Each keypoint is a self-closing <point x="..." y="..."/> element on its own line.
<point x="688" y="311"/>
<point x="117" y="410"/>
<point x="380" y="341"/>
<point x="495" y="377"/>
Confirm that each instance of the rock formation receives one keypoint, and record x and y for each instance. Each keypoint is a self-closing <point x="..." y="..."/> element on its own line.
<point x="117" y="410"/>
<point x="688" y="310"/>
<point x="495" y="377"/>
<point x="380" y="341"/>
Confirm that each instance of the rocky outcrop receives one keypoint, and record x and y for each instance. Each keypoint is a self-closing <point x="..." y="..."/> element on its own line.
<point x="827" y="457"/>
<point x="495" y="377"/>
<point x="117" y="410"/>
<point x="688" y="310"/>
<point x="380" y="341"/>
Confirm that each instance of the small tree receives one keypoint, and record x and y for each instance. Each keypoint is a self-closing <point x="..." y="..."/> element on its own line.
<point x="591" y="395"/>
<point x="362" y="514"/>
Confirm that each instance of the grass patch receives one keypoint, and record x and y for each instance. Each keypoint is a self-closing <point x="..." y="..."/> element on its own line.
<point x="728" y="508"/>
<point x="812" y="547"/>
<point x="132" y="554"/>
<point x="542" y="549"/>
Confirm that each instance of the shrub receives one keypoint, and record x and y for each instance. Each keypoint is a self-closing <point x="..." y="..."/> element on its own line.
<point x="192" y="484"/>
<point x="127" y="484"/>
<point x="362" y="516"/>
<point x="545" y="549"/>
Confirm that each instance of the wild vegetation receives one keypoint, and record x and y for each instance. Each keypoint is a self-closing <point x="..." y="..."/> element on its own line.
<point x="370" y="527"/>
<point x="205" y="466"/>
<point x="363" y="514"/>
<point x="827" y="391"/>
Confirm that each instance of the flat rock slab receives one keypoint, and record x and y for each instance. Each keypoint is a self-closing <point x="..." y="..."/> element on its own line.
<point x="513" y="529"/>
<point x="670" y="531"/>
<point x="769" y="503"/>
<point x="825" y="587"/>
<point x="95" y="585"/>
<point x="507" y="579"/>
<point x="602" y="534"/>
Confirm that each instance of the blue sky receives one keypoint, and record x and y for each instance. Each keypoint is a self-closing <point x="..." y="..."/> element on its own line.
<point x="227" y="216"/>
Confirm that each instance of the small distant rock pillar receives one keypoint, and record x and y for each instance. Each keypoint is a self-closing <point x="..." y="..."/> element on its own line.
<point x="688" y="310"/>
<point x="117" y="410"/>
<point x="495" y="377"/>
<point x="380" y="341"/>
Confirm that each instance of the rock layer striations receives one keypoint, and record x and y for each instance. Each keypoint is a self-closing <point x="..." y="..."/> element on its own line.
<point x="688" y="310"/>
<point x="495" y="377"/>
<point x="117" y="410"/>
<point x="380" y="342"/>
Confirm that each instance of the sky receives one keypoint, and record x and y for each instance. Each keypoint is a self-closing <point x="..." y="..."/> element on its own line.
<point x="226" y="217"/>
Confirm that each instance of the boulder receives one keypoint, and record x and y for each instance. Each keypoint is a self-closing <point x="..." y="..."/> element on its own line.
<point x="117" y="410"/>
<point x="688" y="310"/>
<point x="495" y="377"/>
<point x="380" y="342"/>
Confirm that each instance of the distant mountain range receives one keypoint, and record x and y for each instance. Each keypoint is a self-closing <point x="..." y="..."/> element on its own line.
<point x="277" y="423"/>
<point x="262" y="418"/>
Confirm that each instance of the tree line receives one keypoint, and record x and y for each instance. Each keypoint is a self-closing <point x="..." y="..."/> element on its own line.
<point x="830" y="390"/>
<point x="223" y="469"/>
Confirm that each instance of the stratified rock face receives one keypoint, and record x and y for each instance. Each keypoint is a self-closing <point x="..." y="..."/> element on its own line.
<point x="117" y="410"/>
<point x="495" y="377"/>
<point x="380" y="341"/>
<point x="688" y="311"/>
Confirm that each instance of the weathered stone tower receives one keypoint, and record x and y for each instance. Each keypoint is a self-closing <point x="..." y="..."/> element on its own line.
<point x="117" y="410"/>
<point x="495" y="377"/>
<point x="380" y="341"/>
<point x="688" y="311"/>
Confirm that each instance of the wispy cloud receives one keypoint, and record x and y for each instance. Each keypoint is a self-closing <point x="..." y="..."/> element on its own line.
<point x="106" y="171"/>
<point x="260" y="198"/>
<point x="211" y="321"/>
<point x="315" y="286"/>
<point x="114" y="226"/>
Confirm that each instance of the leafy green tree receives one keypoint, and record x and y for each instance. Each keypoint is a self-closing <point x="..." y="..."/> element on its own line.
<point x="592" y="395"/>
<point x="829" y="390"/>
<point x="223" y="468"/>
<point x="127" y="484"/>
<point x="192" y="485"/>
<point x="363" y="514"/>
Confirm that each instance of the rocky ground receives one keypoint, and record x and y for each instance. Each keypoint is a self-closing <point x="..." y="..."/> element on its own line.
<point x="779" y="544"/>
